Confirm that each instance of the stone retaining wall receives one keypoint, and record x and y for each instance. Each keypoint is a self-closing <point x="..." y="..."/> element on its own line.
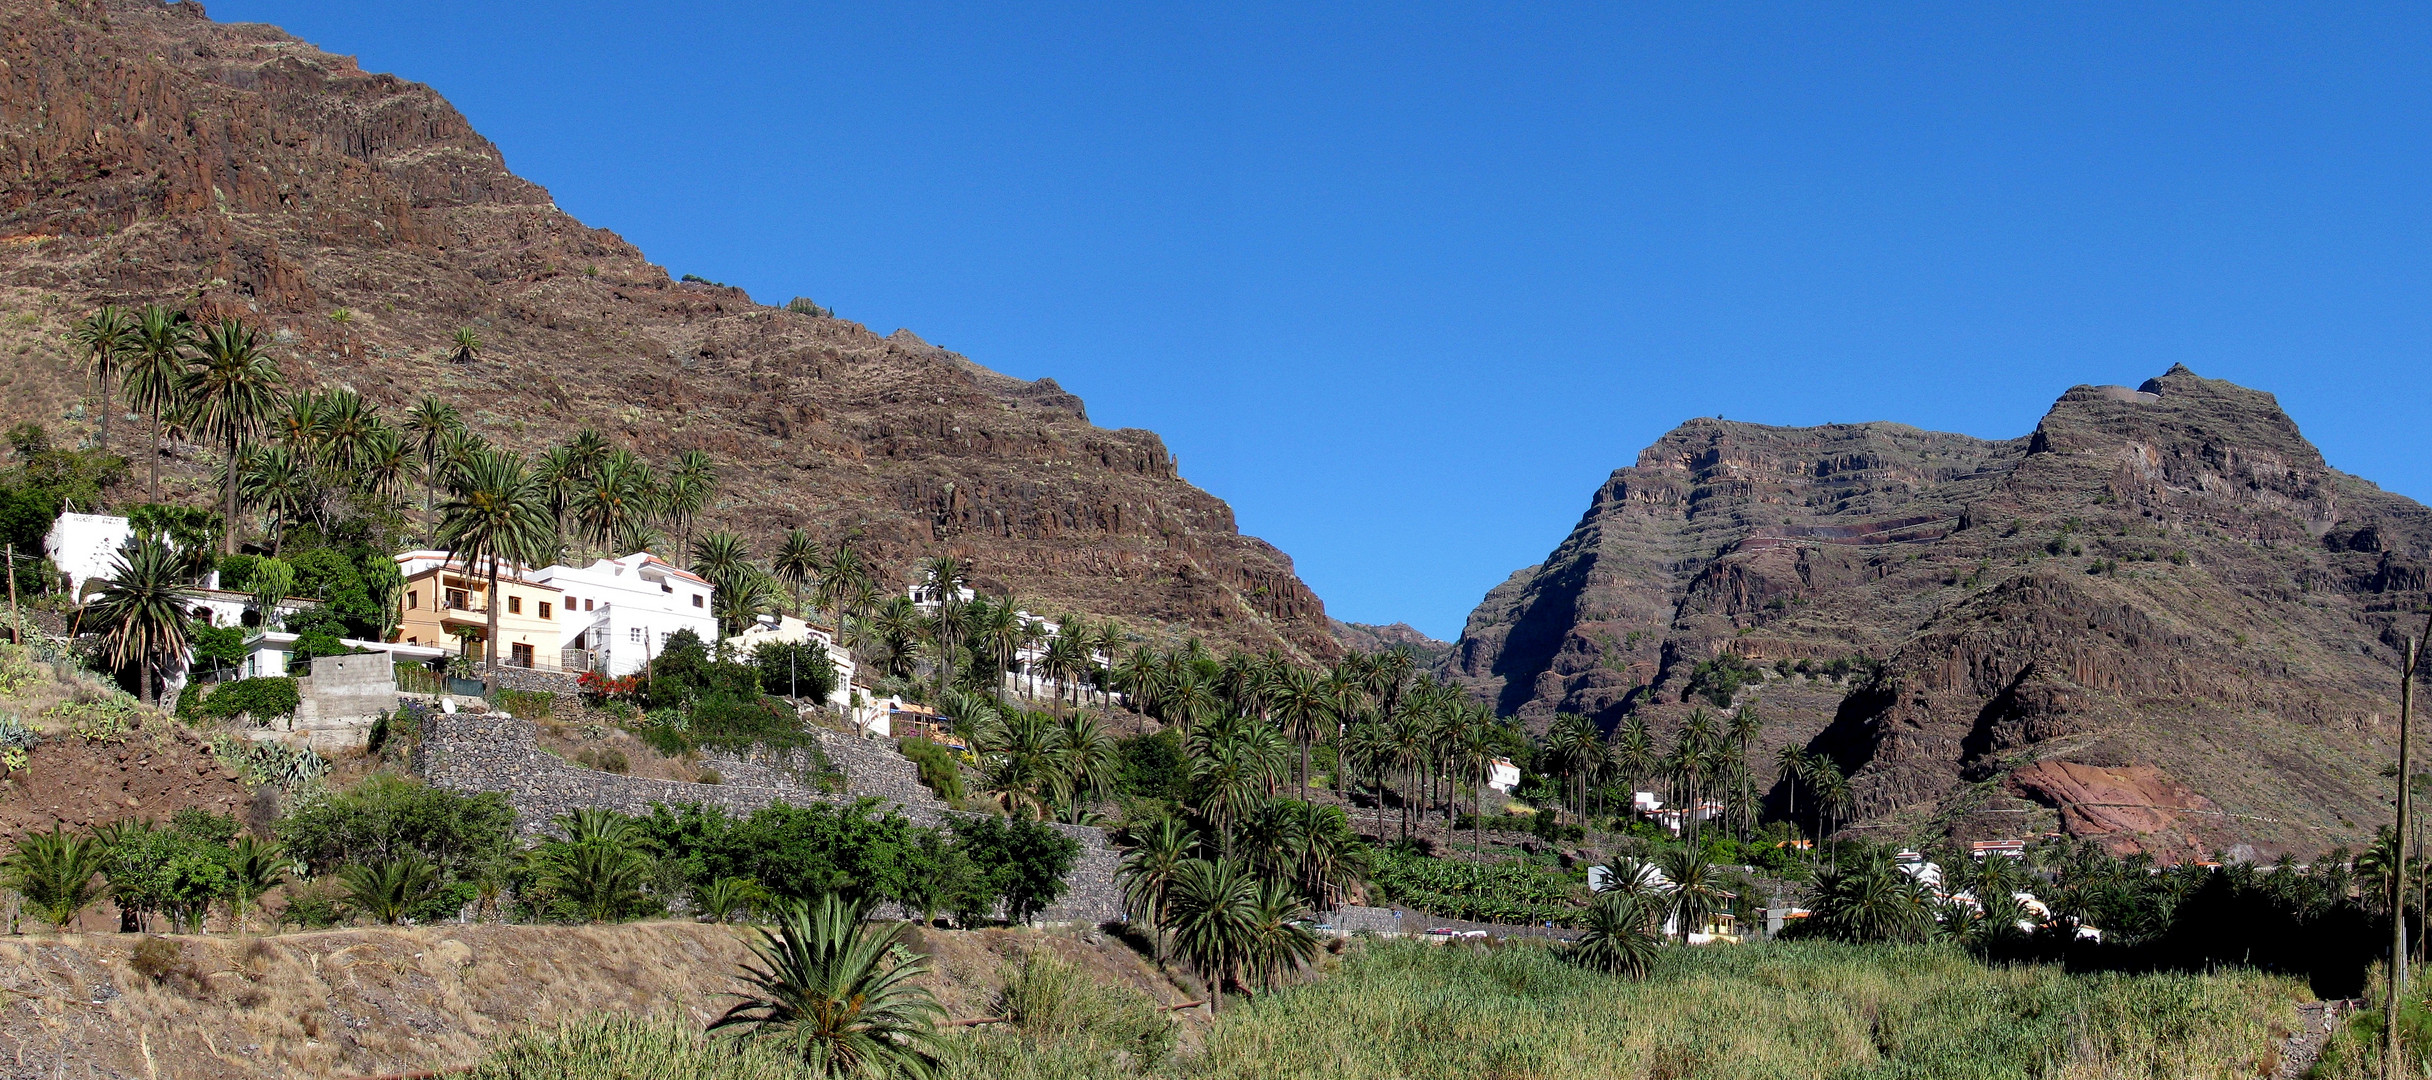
<point x="515" y="678"/>
<point x="484" y="752"/>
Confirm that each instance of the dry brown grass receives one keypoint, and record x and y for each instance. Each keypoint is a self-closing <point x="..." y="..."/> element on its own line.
<point x="372" y="1001"/>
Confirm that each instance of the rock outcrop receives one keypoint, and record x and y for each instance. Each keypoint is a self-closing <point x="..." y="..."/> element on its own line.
<point x="149" y="154"/>
<point x="2166" y="587"/>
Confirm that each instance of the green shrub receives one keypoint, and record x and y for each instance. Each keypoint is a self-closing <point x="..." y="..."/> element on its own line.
<point x="613" y="1047"/>
<point x="528" y="704"/>
<point x="264" y="699"/>
<point x="799" y="670"/>
<point x="937" y="768"/>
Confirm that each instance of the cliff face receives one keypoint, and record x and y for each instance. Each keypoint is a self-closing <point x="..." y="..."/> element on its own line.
<point x="149" y="154"/>
<point x="2160" y="619"/>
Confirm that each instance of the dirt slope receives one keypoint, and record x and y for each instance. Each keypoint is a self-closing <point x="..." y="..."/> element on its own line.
<point x="149" y="154"/>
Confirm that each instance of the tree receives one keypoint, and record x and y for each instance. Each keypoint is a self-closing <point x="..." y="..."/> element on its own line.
<point x="155" y="370"/>
<point x="496" y="513"/>
<point x="1870" y="900"/>
<point x="256" y="866"/>
<point x="613" y="500"/>
<point x="144" y="605"/>
<point x="798" y="564"/>
<point x="689" y="487"/>
<point x="721" y="557"/>
<point x="431" y="423"/>
<point x="1212" y="912"/>
<point x="55" y="873"/>
<point x="276" y="479"/>
<point x="1696" y="895"/>
<point x="841" y="996"/>
<point x="107" y="337"/>
<point x="1297" y="697"/>
<point x="230" y="392"/>
<point x="945" y="575"/>
<point x="1087" y="759"/>
<point x="1620" y="937"/>
<point x="467" y="346"/>
<point x="1148" y="870"/>
<point x="384" y="891"/>
<point x="1277" y="939"/>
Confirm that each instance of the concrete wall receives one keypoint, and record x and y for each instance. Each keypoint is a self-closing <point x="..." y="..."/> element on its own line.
<point x="338" y="703"/>
<point x="480" y="752"/>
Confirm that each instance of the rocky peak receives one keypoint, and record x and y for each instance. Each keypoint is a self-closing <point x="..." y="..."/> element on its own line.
<point x="2151" y="574"/>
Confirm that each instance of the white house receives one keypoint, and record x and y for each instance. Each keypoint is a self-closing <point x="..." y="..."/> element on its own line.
<point x="1502" y="775"/>
<point x="620" y="612"/>
<point x="789" y="630"/>
<point x="85" y="547"/>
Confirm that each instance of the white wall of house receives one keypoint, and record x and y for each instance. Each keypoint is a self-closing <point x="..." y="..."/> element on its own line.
<point x="85" y="546"/>
<point x="620" y="612"/>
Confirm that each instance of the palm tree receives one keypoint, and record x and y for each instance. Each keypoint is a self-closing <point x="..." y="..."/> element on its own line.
<point x="144" y="606"/>
<point x="1620" y="938"/>
<point x="432" y="423"/>
<point x="1018" y="761"/>
<point x="1087" y="759"/>
<point x="496" y="513"/>
<point x="721" y="557"/>
<point x="1148" y="870"/>
<point x="388" y="468"/>
<point x="1696" y="894"/>
<point x="468" y="346"/>
<point x="1297" y="698"/>
<point x="230" y="392"/>
<point x="255" y="867"/>
<point x="843" y="997"/>
<point x="1212" y="911"/>
<point x="611" y="501"/>
<point x="276" y="481"/>
<point x="155" y="369"/>
<point x="1277" y="938"/>
<point x="54" y="871"/>
<point x="386" y="890"/>
<point x="1065" y="660"/>
<point x="689" y="487"/>
<point x="945" y="574"/>
<point x="1870" y="900"/>
<point x="741" y="600"/>
<point x="350" y="428"/>
<point x="108" y="336"/>
<point x="797" y="564"/>
<point x="1474" y="753"/>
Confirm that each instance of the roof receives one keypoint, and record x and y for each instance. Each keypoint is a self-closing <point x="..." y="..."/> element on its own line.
<point x="511" y="571"/>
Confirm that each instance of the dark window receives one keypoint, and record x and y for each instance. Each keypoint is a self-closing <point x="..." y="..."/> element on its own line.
<point x="586" y="605"/>
<point x="544" y="609"/>
<point x="413" y="599"/>
<point x="515" y="605"/>
<point x="519" y="654"/>
<point x="696" y="599"/>
<point x="458" y="600"/>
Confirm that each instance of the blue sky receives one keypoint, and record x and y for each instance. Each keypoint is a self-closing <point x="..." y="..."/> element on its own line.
<point x="1404" y="283"/>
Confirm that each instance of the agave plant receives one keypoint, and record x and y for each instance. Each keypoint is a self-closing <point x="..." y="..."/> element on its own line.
<point x="838" y="995"/>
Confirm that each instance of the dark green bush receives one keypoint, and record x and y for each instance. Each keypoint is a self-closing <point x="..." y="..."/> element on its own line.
<point x="264" y="699"/>
<point x="937" y="769"/>
<point x="1153" y="766"/>
<point x="800" y="670"/>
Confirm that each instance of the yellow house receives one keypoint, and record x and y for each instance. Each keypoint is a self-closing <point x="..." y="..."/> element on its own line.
<point x="445" y="602"/>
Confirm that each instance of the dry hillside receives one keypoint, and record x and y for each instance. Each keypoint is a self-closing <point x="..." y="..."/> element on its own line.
<point x="150" y="154"/>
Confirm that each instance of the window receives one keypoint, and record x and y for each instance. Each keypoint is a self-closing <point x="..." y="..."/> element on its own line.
<point x="586" y="605"/>
<point x="458" y="600"/>
<point x="519" y="654"/>
<point x="696" y="599"/>
<point x="635" y="635"/>
<point x="515" y="605"/>
<point x="544" y="609"/>
<point x="413" y="599"/>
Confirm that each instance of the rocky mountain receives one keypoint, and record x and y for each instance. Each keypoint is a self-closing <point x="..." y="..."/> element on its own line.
<point x="1370" y="638"/>
<point x="2160" y="618"/>
<point x="149" y="154"/>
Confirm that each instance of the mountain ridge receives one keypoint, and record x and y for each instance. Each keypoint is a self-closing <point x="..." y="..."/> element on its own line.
<point x="2146" y="572"/>
<point x="148" y="154"/>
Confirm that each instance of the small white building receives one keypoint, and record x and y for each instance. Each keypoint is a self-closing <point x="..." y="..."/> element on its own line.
<point x="1502" y="775"/>
<point x="786" y="629"/>
<point x="85" y="547"/>
<point x="620" y="612"/>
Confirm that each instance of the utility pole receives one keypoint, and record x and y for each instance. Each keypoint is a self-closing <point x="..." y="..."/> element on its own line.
<point x="2391" y="1050"/>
